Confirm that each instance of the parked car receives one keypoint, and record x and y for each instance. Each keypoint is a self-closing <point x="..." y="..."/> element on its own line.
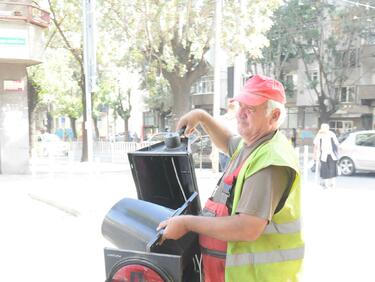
<point x="132" y="137"/>
<point x="357" y="152"/>
<point x="51" y="145"/>
<point x="158" y="137"/>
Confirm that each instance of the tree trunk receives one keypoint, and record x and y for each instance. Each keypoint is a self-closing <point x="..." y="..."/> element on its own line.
<point x="181" y="86"/>
<point x="49" y="120"/>
<point x="126" y="130"/>
<point x="84" y="157"/>
<point x="32" y="100"/>
<point x="323" y="113"/>
<point x="32" y="130"/>
<point x="73" y="126"/>
<point x="95" y="119"/>
<point x="181" y="99"/>
<point x="162" y="121"/>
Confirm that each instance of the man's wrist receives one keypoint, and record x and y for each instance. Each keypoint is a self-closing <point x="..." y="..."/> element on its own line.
<point x="202" y="116"/>
<point x="187" y="219"/>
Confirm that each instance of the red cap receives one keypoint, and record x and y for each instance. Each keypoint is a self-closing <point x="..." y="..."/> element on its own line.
<point x="260" y="88"/>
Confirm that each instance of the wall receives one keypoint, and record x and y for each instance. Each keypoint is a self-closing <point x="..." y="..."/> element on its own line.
<point x="14" y="127"/>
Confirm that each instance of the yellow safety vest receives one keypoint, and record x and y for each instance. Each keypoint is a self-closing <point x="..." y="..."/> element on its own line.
<point x="276" y="256"/>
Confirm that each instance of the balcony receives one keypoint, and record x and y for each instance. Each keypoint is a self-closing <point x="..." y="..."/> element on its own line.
<point x="22" y="33"/>
<point x="366" y="92"/>
<point x="23" y="12"/>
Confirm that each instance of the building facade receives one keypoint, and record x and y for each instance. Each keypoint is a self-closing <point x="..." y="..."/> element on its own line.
<point x="21" y="45"/>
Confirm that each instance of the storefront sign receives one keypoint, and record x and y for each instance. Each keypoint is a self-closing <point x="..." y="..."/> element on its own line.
<point x="13" y="85"/>
<point x="12" y="41"/>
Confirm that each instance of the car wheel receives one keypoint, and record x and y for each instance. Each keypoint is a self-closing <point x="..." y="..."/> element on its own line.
<point x="347" y="166"/>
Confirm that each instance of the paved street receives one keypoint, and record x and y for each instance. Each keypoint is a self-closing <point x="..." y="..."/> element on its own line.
<point x="51" y="223"/>
<point x="338" y="230"/>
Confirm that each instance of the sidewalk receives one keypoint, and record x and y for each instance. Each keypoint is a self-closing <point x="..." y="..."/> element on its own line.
<point x="81" y="188"/>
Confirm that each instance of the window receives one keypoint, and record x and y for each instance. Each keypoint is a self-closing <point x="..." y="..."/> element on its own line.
<point x="353" y="58"/>
<point x="310" y="119"/>
<point x="367" y="140"/>
<point x="149" y="119"/>
<point x="291" y="118"/>
<point x="204" y="86"/>
<point x="347" y="58"/>
<point x="346" y="94"/>
<point x="314" y="76"/>
<point x="341" y="126"/>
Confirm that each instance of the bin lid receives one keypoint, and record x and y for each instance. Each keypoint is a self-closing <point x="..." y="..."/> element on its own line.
<point x="131" y="225"/>
<point x="165" y="176"/>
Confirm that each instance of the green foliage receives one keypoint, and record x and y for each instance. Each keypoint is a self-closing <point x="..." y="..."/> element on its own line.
<point x="321" y="36"/>
<point x="159" y="94"/>
<point x="173" y="36"/>
<point x="56" y="85"/>
<point x="164" y="41"/>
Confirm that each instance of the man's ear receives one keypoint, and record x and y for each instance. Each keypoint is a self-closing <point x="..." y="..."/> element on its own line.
<point x="275" y="115"/>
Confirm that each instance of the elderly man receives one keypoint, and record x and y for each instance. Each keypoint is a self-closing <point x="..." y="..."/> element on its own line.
<point x="249" y="229"/>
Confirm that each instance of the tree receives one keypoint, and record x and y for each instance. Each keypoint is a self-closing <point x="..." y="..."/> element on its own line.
<point x="322" y="36"/>
<point x="158" y="98"/>
<point x="173" y="36"/>
<point x="33" y="90"/>
<point x="57" y="90"/>
<point x="69" y="27"/>
<point x="123" y="108"/>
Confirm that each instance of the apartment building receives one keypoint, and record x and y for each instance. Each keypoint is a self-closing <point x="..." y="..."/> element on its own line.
<point x="21" y="45"/>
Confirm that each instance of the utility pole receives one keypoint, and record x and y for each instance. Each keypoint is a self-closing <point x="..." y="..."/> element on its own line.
<point x="217" y="78"/>
<point x="89" y="58"/>
<point x="239" y="62"/>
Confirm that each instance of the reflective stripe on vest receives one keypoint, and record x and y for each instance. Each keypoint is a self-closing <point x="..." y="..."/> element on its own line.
<point x="284" y="228"/>
<point x="214" y="253"/>
<point x="268" y="257"/>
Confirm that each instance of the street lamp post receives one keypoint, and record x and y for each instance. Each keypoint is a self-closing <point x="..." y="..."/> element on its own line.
<point x="217" y="70"/>
<point x="89" y="57"/>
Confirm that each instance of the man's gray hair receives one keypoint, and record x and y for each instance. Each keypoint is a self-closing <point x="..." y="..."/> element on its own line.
<point x="272" y="105"/>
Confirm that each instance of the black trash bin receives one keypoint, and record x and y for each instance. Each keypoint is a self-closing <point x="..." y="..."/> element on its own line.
<point x="166" y="186"/>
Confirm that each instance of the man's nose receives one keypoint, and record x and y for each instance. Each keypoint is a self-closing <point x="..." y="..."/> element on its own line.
<point x="241" y="113"/>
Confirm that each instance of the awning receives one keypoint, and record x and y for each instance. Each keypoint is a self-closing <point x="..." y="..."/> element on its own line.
<point x="343" y="115"/>
<point x="352" y="111"/>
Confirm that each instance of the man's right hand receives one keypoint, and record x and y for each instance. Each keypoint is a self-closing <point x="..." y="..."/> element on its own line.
<point x="190" y="121"/>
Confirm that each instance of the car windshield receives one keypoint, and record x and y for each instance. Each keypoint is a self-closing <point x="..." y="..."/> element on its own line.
<point x="365" y="139"/>
<point x="49" y="137"/>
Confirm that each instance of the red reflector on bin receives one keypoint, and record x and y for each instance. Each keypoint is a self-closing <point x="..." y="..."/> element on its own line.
<point x="136" y="273"/>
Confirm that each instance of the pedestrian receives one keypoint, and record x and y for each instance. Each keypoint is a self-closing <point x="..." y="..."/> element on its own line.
<point x="250" y="227"/>
<point x="325" y="152"/>
<point x="229" y="121"/>
<point x="294" y="137"/>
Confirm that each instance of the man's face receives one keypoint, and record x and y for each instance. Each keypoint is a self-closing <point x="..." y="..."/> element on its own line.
<point x="252" y="121"/>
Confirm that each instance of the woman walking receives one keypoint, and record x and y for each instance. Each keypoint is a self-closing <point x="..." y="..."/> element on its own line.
<point x="325" y="150"/>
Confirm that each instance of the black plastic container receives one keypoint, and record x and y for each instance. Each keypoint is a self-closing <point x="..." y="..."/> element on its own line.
<point x="166" y="186"/>
<point x="165" y="176"/>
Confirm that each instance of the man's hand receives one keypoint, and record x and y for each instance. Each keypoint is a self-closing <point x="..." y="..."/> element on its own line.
<point x="175" y="228"/>
<point x="190" y="121"/>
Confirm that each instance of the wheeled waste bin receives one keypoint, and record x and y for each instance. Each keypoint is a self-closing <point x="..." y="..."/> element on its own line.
<point x="166" y="186"/>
